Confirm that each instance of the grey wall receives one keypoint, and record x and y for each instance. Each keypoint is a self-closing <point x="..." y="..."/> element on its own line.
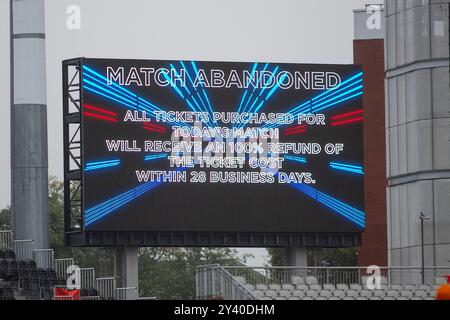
<point x="418" y="130"/>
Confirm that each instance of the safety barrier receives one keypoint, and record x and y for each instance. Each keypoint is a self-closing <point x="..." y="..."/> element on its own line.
<point x="129" y="293"/>
<point x="106" y="287"/>
<point x="214" y="282"/>
<point x="90" y="298"/>
<point x="44" y="258"/>
<point x="23" y="249"/>
<point x="61" y="266"/>
<point x="338" y="275"/>
<point x="87" y="277"/>
<point x="6" y="240"/>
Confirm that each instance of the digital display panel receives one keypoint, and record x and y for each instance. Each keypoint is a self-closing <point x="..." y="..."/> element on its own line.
<point x="194" y="146"/>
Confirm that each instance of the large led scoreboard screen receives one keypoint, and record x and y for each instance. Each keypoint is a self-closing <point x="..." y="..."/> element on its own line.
<point x="184" y="146"/>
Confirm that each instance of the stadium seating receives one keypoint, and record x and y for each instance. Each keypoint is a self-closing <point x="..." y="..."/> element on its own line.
<point x="6" y="294"/>
<point x="308" y="288"/>
<point x="21" y="279"/>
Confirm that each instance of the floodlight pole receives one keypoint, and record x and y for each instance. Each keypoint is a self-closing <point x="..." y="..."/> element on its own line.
<point x="29" y="150"/>
<point x="423" y="217"/>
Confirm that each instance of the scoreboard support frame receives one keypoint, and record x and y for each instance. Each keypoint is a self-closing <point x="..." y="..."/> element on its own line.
<point x="73" y="149"/>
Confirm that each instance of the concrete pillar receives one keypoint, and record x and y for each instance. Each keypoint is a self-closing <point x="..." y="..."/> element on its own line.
<point x="127" y="269"/>
<point x="296" y="257"/>
<point x="29" y="153"/>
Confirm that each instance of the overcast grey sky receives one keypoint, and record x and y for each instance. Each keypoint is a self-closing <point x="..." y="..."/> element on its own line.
<point x="303" y="31"/>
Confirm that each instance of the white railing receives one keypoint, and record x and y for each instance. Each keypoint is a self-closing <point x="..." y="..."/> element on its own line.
<point x="90" y="298"/>
<point x="214" y="282"/>
<point x="338" y="275"/>
<point x="24" y="249"/>
<point x="129" y="293"/>
<point x="106" y="287"/>
<point x="87" y="276"/>
<point x="147" y="298"/>
<point x="63" y="298"/>
<point x="61" y="266"/>
<point x="44" y="258"/>
<point x="6" y="240"/>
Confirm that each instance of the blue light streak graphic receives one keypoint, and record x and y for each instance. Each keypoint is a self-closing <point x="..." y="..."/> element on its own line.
<point x="205" y="104"/>
<point x="296" y="159"/>
<point x="194" y="66"/>
<point x="173" y="85"/>
<point x="105" y="208"/>
<point x="259" y="104"/>
<point x="347" y="167"/>
<point x="272" y="91"/>
<point x="117" y="93"/>
<point x="338" y="90"/>
<point x="274" y="72"/>
<point x="347" y="90"/>
<point x="91" y="166"/>
<point x="324" y="95"/>
<point x="108" y="97"/>
<point x="316" y="107"/>
<point x="350" y="213"/>
<point x="105" y="81"/>
<point x="359" y="93"/>
<point x="254" y="89"/>
<point x="199" y="108"/>
<point x="255" y="65"/>
<point x="357" y="76"/>
<point x="155" y="156"/>
<point x="110" y="92"/>
<point x="112" y="87"/>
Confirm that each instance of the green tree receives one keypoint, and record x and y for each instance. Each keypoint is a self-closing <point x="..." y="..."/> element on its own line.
<point x="319" y="257"/>
<point x="169" y="273"/>
<point x="276" y="257"/>
<point x="5" y="219"/>
<point x="335" y="257"/>
<point x="56" y="213"/>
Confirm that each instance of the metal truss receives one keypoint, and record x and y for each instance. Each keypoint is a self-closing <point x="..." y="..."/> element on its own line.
<point x="73" y="149"/>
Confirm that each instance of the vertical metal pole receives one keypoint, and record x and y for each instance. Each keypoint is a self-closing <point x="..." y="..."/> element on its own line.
<point x="213" y="282"/>
<point x="29" y="155"/>
<point x="197" y="284"/>
<point x="423" y="217"/>
<point x="423" y="251"/>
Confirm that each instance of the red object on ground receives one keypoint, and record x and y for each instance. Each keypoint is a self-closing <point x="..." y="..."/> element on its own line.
<point x="66" y="294"/>
<point x="443" y="293"/>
